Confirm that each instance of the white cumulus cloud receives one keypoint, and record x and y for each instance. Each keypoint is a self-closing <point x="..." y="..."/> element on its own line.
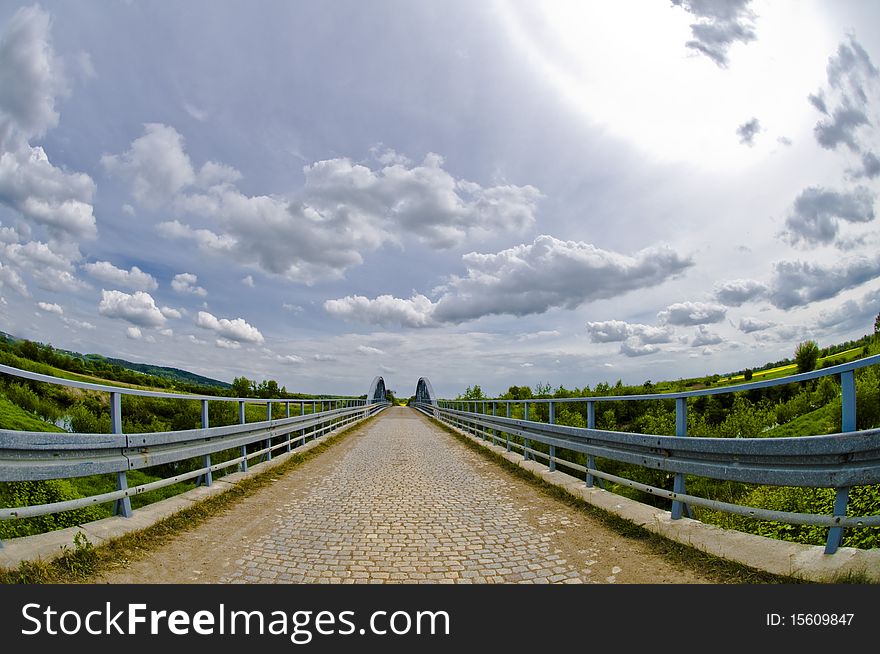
<point x="134" y="279"/>
<point x="236" y="330"/>
<point x="50" y="308"/>
<point x="139" y="308"/>
<point x="526" y="279"/>
<point x="186" y="283"/>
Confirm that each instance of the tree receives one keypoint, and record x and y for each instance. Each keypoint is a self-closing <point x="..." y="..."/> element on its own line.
<point x="877" y="326"/>
<point x="806" y="355"/>
<point x="472" y="393"/>
<point x="241" y="387"/>
<point x="747" y="375"/>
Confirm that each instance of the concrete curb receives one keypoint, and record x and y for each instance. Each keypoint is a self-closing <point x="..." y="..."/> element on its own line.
<point x="50" y="545"/>
<point x="806" y="562"/>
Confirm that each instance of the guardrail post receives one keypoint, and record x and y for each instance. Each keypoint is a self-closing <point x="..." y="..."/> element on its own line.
<point x="287" y="415"/>
<point x="121" y="507"/>
<point x="507" y="433"/>
<point x="591" y="424"/>
<point x="302" y="432"/>
<point x="242" y="419"/>
<point x="269" y="440"/>
<point x="552" y="419"/>
<point x="847" y="423"/>
<point x="525" y="440"/>
<point x="207" y="478"/>
<point x="494" y="431"/>
<point x="678" y="483"/>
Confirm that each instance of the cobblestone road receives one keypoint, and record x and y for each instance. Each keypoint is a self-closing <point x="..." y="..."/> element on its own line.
<point x="403" y="501"/>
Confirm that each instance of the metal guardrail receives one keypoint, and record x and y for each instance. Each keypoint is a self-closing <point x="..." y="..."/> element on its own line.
<point x="838" y="461"/>
<point x="30" y="456"/>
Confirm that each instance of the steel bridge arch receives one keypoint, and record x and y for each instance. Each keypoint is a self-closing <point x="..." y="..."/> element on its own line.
<point x="377" y="390"/>
<point x="425" y="392"/>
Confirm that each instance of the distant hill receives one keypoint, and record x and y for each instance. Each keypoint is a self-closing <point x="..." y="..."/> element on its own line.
<point x="173" y="374"/>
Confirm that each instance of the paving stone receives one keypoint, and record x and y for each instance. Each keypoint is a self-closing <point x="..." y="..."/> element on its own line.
<point x="406" y="504"/>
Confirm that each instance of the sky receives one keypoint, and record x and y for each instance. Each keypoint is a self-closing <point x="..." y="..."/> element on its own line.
<point x="497" y="193"/>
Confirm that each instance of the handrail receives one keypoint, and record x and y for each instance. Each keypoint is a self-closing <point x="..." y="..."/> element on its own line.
<point x="34" y="456"/>
<point x="838" y="461"/>
<point x="124" y="390"/>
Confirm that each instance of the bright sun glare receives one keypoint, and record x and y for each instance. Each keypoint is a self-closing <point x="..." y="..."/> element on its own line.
<point x="625" y="65"/>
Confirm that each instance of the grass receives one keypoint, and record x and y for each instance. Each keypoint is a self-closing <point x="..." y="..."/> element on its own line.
<point x="816" y="422"/>
<point x="719" y="570"/>
<point x="86" y="562"/>
<point x="783" y="371"/>
<point x="14" y="417"/>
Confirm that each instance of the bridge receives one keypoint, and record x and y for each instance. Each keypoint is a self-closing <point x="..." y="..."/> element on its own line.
<point x="403" y="498"/>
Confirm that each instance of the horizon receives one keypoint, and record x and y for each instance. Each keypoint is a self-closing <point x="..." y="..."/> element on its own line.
<point x="561" y="193"/>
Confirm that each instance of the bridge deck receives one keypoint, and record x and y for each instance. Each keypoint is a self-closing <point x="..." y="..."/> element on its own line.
<point x="401" y="501"/>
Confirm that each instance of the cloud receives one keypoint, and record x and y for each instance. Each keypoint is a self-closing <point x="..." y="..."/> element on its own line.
<point x="423" y="199"/>
<point x="139" y="309"/>
<point x="720" y="24"/>
<point x="705" y="337"/>
<point x="611" y="331"/>
<point x="49" y="265"/>
<point x="31" y="80"/>
<point x="797" y="283"/>
<point x="343" y="210"/>
<point x="632" y="347"/>
<point x="186" y="283"/>
<point x="870" y="166"/>
<point x="248" y="281"/>
<point x="204" y="238"/>
<point x="133" y="333"/>
<point x="749" y="325"/>
<point x="11" y="279"/>
<point x="77" y="324"/>
<point x="692" y="313"/>
<point x="170" y="312"/>
<point x="226" y="344"/>
<point x="155" y="164"/>
<point x="550" y="273"/>
<point x="46" y="195"/>
<point x="233" y="330"/>
<point x="845" y="103"/>
<point x="748" y="131"/>
<point x="384" y="310"/>
<point x="525" y="279"/>
<point x="134" y="279"/>
<point x="366" y="349"/>
<point x="817" y="213"/>
<point x="50" y="308"/>
<point x="290" y="359"/>
<point x="853" y="314"/>
<point x="324" y="357"/>
<point x="31" y="75"/>
<point x="736" y="292"/>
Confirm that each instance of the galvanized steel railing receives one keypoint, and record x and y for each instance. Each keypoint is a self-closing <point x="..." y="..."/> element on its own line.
<point x="31" y="456"/>
<point x="839" y="461"/>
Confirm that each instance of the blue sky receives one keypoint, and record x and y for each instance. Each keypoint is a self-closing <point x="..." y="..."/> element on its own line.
<point x="486" y="193"/>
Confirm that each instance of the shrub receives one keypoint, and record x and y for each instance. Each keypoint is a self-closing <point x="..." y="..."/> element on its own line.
<point x="29" y="493"/>
<point x="806" y="355"/>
